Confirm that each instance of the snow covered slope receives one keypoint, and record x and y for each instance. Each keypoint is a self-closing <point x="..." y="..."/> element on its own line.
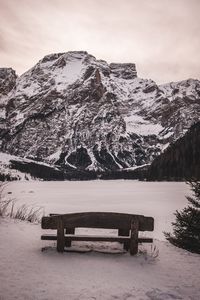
<point x="81" y="113"/>
<point x="16" y="168"/>
<point x="27" y="273"/>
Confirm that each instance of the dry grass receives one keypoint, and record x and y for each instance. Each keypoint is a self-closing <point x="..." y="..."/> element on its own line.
<point x="30" y="214"/>
<point x="150" y="255"/>
<point x="24" y="212"/>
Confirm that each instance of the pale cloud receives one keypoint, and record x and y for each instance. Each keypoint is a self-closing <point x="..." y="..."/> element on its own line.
<point x="161" y="37"/>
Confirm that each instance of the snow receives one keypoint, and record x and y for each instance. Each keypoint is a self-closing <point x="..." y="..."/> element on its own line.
<point x="168" y="134"/>
<point x="27" y="273"/>
<point x="19" y="118"/>
<point x="157" y="199"/>
<point x="186" y="87"/>
<point x="5" y="166"/>
<point x="2" y="114"/>
<point x="27" y="89"/>
<point x="61" y="77"/>
<point x="139" y="125"/>
<point x="164" y="147"/>
<point x="57" y="85"/>
<point x="136" y="167"/>
<point x="68" y="75"/>
<point x="55" y="156"/>
<point x="94" y="164"/>
<point x="5" y="159"/>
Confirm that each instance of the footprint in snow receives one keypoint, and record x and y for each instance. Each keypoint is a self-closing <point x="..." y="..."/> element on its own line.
<point x="157" y="294"/>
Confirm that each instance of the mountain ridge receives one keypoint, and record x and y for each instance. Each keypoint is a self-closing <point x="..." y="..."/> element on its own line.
<point x="85" y="114"/>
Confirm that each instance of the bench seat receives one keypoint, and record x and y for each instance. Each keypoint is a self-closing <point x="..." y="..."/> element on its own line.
<point x="71" y="237"/>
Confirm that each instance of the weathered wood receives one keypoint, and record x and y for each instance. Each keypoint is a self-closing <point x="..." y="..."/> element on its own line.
<point x="66" y="224"/>
<point x="60" y="235"/>
<point x="87" y="238"/>
<point x="69" y="231"/>
<point x="145" y="240"/>
<point x="124" y="232"/>
<point x="49" y="237"/>
<point x="107" y="220"/>
<point x="134" y="237"/>
<point x="53" y="237"/>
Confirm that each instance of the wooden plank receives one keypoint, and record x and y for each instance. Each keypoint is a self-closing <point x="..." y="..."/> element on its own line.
<point x="94" y="238"/>
<point x="124" y="232"/>
<point x="107" y="239"/>
<point x="134" y="237"/>
<point x="69" y="231"/>
<point x="53" y="237"/>
<point x="49" y="237"/>
<point x="145" y="240"/>
<point x="99" y="220"/>
<point x="60" y="235"/>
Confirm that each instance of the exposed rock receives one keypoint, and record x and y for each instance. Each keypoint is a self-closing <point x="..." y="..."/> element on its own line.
<point x="84" y="114"/>
<point x="125" y="71"/>
<point x="8" y="79"/>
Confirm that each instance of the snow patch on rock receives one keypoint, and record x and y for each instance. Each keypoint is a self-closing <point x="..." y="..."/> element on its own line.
<point x="137" y="124"/>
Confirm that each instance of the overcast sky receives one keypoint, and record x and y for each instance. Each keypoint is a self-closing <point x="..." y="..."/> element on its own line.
<point x="161" y="36"/>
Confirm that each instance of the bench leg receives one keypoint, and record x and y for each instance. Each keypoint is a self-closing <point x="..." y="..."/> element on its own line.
<point x="134" y="237"/>
<point x="69" y="231"/>
<point x="60" y="236"/>
<point x="124" y="232"/>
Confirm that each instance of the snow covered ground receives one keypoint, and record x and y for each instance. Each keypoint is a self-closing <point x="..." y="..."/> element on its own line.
<point x="156" y="199"/>
<point x="27" y="273"/>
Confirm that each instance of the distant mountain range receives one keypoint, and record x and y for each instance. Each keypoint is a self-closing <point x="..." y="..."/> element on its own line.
<point x="80" y="115"/>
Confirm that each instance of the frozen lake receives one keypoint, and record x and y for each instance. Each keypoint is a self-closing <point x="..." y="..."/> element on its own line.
<point x="157" y="199"/>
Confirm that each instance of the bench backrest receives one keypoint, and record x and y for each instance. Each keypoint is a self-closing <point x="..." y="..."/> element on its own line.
<point x="106" y="220"/>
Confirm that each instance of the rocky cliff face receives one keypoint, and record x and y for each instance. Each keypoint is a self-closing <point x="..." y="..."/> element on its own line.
<point x="8" y="79"/>
<point x="85" y="114"/>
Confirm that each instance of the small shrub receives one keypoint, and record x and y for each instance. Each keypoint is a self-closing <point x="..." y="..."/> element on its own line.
<point x="24" y="212"/>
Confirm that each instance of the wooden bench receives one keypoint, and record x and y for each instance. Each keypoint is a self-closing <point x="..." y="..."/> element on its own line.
<point x="128" y="226"/>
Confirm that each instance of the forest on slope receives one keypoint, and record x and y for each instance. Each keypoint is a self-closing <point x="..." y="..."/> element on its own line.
<point x="181" y="160"/>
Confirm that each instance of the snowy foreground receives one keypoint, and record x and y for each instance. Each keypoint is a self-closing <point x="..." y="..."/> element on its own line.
<point x="27" y="273"/>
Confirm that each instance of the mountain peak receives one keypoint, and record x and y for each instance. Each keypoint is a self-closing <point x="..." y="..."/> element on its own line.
<point x="66" y="55"/>
<point x="83" y="113"/>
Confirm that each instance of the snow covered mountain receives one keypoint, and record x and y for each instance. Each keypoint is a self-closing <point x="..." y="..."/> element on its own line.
<point x="7" y="83"/>
<point x="81" y="113"/>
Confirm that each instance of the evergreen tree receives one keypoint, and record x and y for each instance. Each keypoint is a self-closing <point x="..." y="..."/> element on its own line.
<point x="186" y="228"/>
